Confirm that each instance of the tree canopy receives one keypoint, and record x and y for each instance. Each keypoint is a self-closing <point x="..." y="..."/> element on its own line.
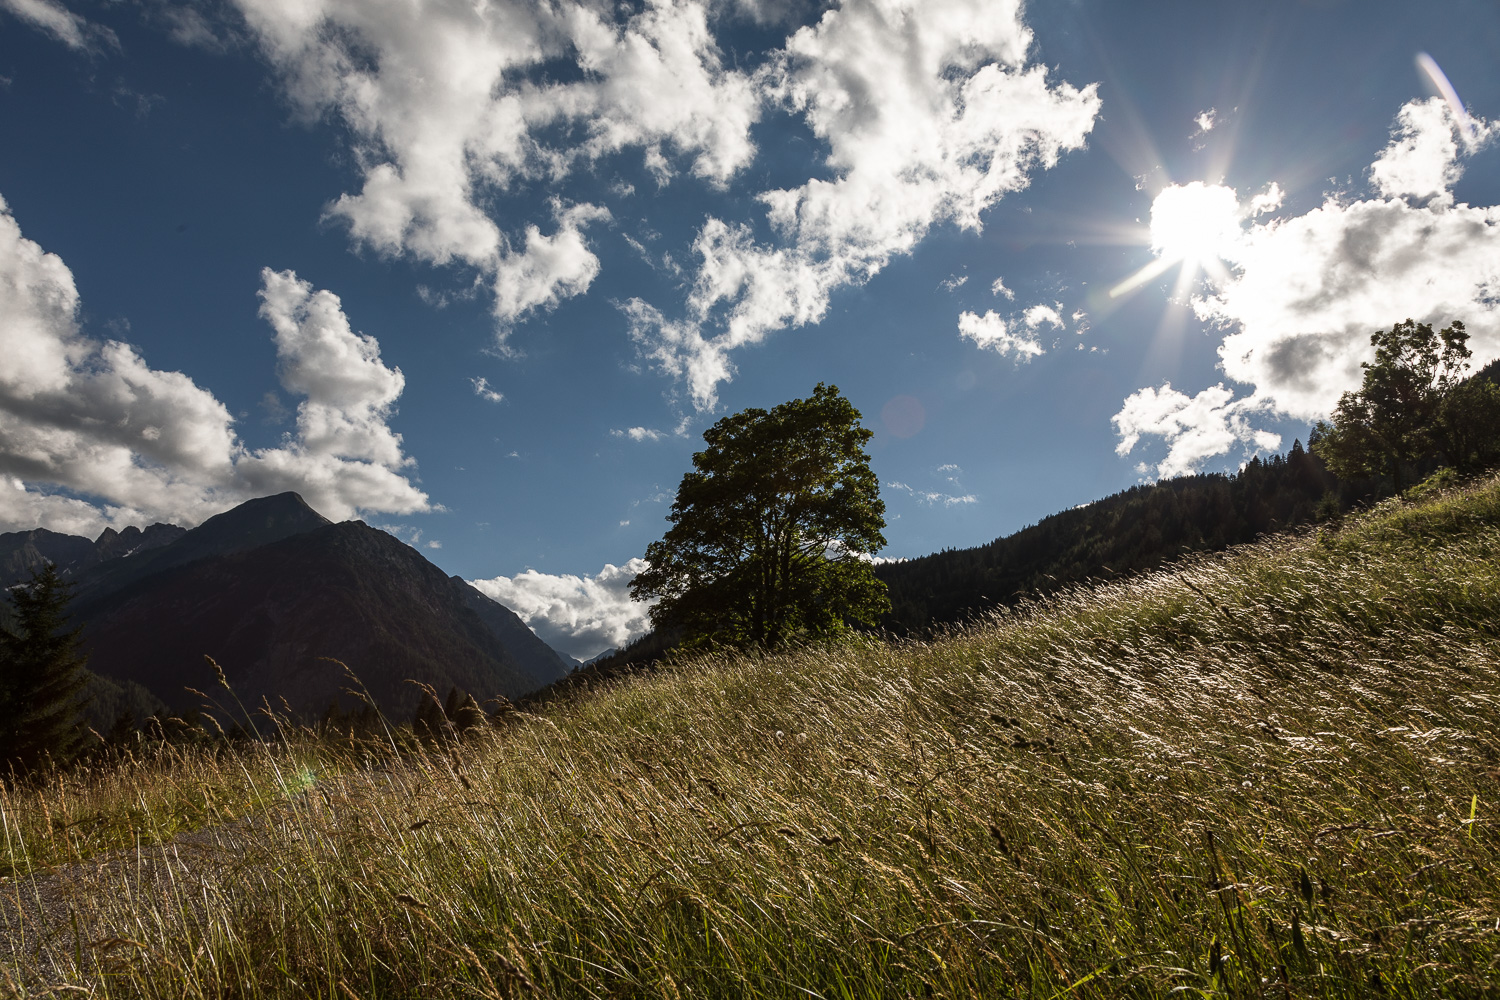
<point x="769" y="528"/>
<point x="1413" y="402"/>
<point x="41" y="678"/>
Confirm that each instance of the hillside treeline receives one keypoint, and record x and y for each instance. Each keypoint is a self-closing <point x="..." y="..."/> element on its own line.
<point x="1146" y="526"/>
<point x="1135" y="530"/>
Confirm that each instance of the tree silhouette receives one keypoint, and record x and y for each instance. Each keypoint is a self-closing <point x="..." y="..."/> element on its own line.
<point x="1392" y="420"/>
<point x="769" y="527"/>
<point x="41" y="678"/>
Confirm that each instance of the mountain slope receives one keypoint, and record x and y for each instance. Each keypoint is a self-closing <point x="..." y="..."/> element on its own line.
<point x="251" y="524"/>
<point x="270" y="614"/>
<point x="23" y="551"/>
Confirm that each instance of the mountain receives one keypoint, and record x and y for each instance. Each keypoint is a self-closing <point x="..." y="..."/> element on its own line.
<point x="271" y="613"/>
<point x="270" y="590"/>
<point x="251" y="524"/>
<point x="23" y="551"/>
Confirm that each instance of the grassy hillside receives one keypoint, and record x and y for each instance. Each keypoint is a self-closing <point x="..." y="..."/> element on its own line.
<point x="1272" y="772"/>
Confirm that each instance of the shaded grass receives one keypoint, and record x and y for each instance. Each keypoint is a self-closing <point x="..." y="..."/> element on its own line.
<point x="1272" y="772"/>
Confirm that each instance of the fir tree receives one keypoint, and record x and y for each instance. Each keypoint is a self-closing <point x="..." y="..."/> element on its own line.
<point x="41" y="678"/>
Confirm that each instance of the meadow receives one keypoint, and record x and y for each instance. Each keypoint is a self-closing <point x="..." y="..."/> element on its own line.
<point x="1272" y="772"/>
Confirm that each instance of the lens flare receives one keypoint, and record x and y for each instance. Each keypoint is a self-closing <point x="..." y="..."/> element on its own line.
<point x="1439" y="79"/>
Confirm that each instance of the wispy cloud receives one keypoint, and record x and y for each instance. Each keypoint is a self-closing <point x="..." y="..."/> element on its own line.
<point x="52" y="18"/>
<point x="483" y="391"/>
<point x="932" y="497"/>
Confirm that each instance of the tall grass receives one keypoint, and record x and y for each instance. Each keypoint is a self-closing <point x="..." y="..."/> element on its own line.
<point x="1270" y="773"/>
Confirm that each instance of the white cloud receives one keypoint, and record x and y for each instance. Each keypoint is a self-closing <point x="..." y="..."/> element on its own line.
<point x="579" y="615"/>
<point x="549" y="269"/>
<point x="483" y="391"/>
<point x="449" y="103"/>
<point x="451" y="106"/>
<point x="639" y="434"/>
<point x="62" y="24"/>
<point x="997" y="287"/>
<point x="1421" y="161"/>
<point x="963" y="123"/>
<point x="931" y="497"/>
<point x="1044" y="315"/>
<point x="349" y="392"/>
<point x="1195" y="428"/>
<point x="1305" y="293"/>
<point x="990" y="332"/>
<point x="1205" y="120"/>
<point x="91" y="435"/>
<point x="1267" y="201"/>
<point x="953" y="283"/>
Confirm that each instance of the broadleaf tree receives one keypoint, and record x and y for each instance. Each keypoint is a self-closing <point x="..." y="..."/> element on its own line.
<point x="770" y="530"/>
<point x="1393" y="419"/>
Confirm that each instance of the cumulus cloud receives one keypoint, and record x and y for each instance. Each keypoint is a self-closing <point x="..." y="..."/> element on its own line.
<point x="1305" y="293"/>
<point x="455" y="109"/>
<point x="1040" y="315"/>
<point x="963" y="123"/>
<point x="580" y="615"/>
<point x="1421" y="163"/>
<point x="91" y="435"/>
<point x="1016" y="337"/>
<point x="991" y="332"/>
<point x="450" y="103"/>
<point x="1195" y="428"/>
<point x="54" y="19"/>
<point x="639" y="434"/>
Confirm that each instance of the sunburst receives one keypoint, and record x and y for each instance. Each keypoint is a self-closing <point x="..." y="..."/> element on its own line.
<point x="1196" y="226"/>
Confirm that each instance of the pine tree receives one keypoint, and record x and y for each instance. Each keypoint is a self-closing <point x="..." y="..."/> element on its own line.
<point x="41" y="678"/>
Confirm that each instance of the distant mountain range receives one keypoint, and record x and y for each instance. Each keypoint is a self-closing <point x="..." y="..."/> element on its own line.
<point x="273" y="591"/>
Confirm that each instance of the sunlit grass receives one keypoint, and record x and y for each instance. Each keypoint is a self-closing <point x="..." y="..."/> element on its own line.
<point x="1270" y="773"/>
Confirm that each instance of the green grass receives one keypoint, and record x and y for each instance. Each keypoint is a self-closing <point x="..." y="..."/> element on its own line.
<point x="1269" y="773"/>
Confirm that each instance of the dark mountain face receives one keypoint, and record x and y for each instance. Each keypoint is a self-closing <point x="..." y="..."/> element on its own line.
<point x="253" y="523"/>
<point x="271" y="613"/>
<point x="269" y="590"/>
<point x="23" y="551"/>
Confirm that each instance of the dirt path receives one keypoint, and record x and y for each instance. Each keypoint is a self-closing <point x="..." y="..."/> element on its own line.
<point x="53" y="922"/>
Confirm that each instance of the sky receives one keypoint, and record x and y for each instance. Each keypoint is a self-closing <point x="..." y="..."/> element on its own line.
<point x="480" y="273"/>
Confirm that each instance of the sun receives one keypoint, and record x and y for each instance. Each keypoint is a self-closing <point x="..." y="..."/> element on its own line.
<point x="1196" y="225"/>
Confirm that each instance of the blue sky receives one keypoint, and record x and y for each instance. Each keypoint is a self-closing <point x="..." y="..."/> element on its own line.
<point x="482" y="273"/>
